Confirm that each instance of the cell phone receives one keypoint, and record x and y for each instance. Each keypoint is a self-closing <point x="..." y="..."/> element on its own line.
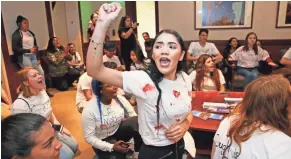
<point x="124" y="144"/>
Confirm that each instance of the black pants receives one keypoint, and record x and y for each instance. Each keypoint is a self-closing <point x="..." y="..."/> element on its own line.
<point x="128" y="129"/>
<point x="174" y="151"/>
<point x="64" y="82"/>
<point x="227" y="75"/>
<point x="126" y="59"/>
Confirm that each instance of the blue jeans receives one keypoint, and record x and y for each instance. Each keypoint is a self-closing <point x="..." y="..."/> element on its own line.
<point x="68" y="141"/>
<point x="30" y="60"/>
<point x="66" y="152"/>
<point x="249" y="74"/>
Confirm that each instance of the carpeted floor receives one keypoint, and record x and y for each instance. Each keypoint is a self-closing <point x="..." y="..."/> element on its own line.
<point x="65" y="109"/>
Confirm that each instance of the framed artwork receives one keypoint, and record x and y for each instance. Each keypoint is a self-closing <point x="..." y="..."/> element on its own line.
<point x="284" y="14"/>
<point x="223" y="14"/>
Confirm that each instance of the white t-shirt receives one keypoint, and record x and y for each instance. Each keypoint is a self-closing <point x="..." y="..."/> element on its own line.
<point x="112" y="115"/>
<point x="77" y="58"/>
<point x="288" y="54"/>
<point x="272" y="144"/>
<point x="175" y="104"/>
<point x="83" y="84"/>
<point x="27" y="40"/>
<point x="208" y="84"/>
<point x="195" y="49"/>
<point x="112" y="59"/>
<point x="39" y="104"/>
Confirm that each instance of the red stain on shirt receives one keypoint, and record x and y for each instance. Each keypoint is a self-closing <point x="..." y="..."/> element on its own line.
<point x="176" y="93"/>
<point x="160" y="126"/>
<point x="147" y="88"/>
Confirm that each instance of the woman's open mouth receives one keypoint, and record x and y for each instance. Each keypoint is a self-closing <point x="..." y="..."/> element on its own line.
<point x="165" y="62"/>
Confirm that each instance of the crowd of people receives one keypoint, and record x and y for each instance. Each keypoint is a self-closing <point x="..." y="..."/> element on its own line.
<point x="160" y="85"/>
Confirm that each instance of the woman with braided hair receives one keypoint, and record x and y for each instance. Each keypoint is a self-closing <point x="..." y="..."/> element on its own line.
<point x="163" y="93"/>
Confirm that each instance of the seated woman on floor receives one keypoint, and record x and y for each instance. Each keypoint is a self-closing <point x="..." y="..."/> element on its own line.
<point x="62" y="77"/>
<point x="33" y="99"/>
<point x="259" y="126"/>
<point x="29" y="136"/>
<point x="109" y="121"/>
<point x="206" y="77"/>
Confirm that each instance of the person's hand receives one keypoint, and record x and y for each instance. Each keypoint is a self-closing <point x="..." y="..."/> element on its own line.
<point x="272" y="64"/>
<point x="117" y="147"/>
<point x="177" y="132"/>
<point x="33" y="50"/>
<point x="134" y="25"/>
<point x="66" y="132"/>
<point x="109" y="12"/>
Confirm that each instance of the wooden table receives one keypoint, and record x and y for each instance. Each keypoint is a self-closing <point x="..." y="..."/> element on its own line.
<point x="209" y="125"/>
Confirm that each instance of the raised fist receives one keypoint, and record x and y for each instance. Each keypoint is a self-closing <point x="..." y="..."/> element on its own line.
<point x="109" y="12"/>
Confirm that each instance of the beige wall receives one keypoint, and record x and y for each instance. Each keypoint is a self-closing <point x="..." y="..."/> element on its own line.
<point x="60" y="23"/>
<point x="145" y="15"/>
<point x="73" y="25"/>
<point x="180" y="17"/>
<point x="34" y="12"/>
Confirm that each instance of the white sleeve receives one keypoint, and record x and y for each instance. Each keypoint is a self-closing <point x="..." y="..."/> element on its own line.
<point x="85" y="83"/>
<point x="19" y="106"/>
<point x="190" y="49"/>
<point x="235" y="54"/>
<point x="221" y="77"/>
<point x="222" y="130"/>
<point x="78" y="57"/>
<point x="214" y="50"/>
<point x="139" y="84"/>
<point x="263" y="54"/>
<point x="127" y="106"/>
<point x="288" y="54"/>
<point x="192" y="76"/>
<point x="89" y="131"/>
<point x="132" y="68"/>
<point x="117" y="62"/>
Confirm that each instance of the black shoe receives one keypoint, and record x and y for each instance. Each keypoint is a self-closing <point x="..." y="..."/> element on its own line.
<point x="49" y="94"/>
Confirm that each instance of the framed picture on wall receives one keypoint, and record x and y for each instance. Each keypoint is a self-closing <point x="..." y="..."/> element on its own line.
<point x="284" y="14"/>
<point x="223" y="14"/>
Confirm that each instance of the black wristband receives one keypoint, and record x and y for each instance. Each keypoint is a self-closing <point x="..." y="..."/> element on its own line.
<point x="58" y="127"/>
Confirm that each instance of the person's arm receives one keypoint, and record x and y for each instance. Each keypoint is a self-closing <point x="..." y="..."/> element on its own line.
<point x="222" y="88"/>
<point x="125" y="35"/>
<point x="266" y="57"/>
<point x="54" y="120"/>
<point x="286" y="59"/>
<point x="4" y="96"/>
<point x="191" y="58"/>
<point x="218" y="57"/>
<point x="235" y="54"/>
<point x="87" y="94"/>
<point x="89" y="131"/>
<point x="222" y="81"/>
<point x="95" y="67"/>
<point x="177" y="132"/>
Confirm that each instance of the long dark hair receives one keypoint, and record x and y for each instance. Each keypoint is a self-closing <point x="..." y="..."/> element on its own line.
<point x="139" y="55"/>
<point x="17" y="134"/>
<point x="227" y="48"/>
<point x="246" y="45"/>
<point x="50" y="46"/>
<point x="200" y="69"/>
<point x="154" y="73"/>
<point x="122" y="22"/>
